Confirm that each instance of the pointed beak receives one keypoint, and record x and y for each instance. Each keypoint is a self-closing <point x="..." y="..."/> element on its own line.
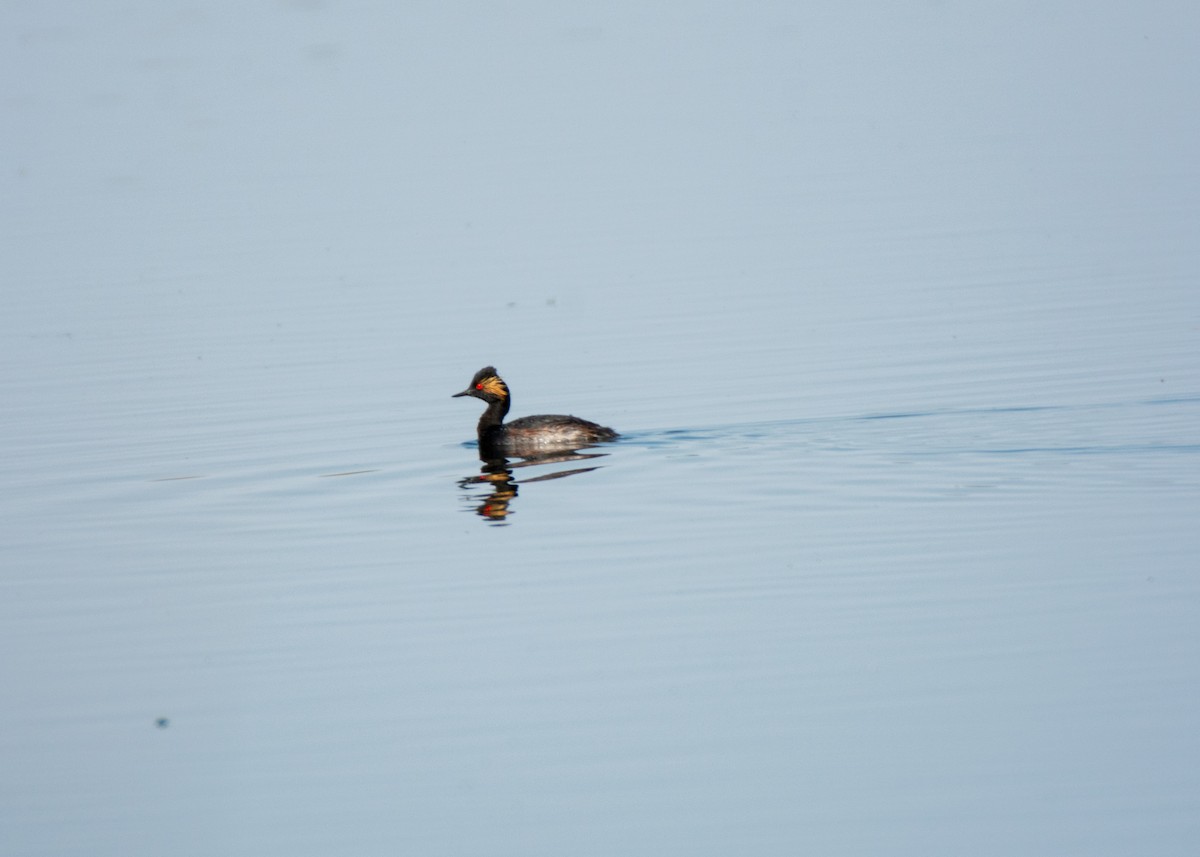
<point x="465" y="392"/>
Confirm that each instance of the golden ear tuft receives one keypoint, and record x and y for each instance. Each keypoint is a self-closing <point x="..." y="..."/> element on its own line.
<point x="493" y="386"/>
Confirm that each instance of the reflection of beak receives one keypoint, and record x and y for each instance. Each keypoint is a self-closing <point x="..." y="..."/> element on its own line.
<point x="465" y="392"/>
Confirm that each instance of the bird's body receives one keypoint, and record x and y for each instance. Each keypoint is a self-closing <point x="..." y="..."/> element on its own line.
<point x="543" y="432"/>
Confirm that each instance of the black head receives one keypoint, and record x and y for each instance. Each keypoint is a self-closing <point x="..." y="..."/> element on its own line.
<point x="486" y="385"/>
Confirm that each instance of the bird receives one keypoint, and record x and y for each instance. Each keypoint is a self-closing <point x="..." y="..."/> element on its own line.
<point x="536" y="433"/>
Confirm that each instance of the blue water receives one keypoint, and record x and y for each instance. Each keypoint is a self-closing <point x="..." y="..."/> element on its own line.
<point x="896" y="312"/>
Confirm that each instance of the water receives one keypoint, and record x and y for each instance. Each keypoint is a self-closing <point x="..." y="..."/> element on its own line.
<point x="897" y="313"/>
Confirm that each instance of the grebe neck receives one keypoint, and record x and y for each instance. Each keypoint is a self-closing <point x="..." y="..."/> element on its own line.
<point x="494" y="415"/>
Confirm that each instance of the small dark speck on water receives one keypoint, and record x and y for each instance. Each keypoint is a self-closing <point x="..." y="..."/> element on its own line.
<point x="162" y="722"/>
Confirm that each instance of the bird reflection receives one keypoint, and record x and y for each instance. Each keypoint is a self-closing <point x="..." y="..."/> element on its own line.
<point x="497" y="475"/>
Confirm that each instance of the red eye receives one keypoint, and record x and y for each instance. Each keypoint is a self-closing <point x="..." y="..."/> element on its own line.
<point x="478" y="386"/>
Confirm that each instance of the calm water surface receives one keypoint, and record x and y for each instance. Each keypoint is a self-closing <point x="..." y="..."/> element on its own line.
<point x="899" y="319"/>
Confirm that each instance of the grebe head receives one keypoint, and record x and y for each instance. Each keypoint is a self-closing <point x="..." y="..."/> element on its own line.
<point x="486" y="385"/>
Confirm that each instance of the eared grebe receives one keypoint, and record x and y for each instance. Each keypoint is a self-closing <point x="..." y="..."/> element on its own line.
<point x="526" y="433"/>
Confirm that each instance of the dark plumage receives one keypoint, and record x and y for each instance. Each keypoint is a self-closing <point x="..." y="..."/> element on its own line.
<point x="547" y="431"/>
